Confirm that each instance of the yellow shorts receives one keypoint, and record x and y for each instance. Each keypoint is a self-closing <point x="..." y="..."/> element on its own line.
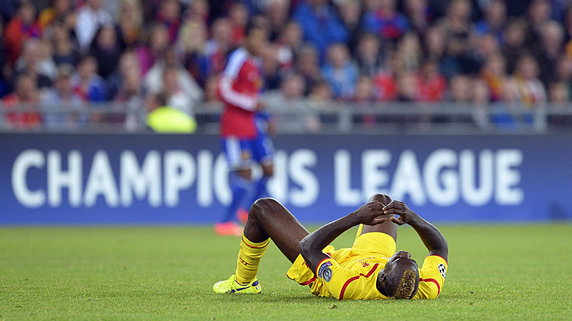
<point x="367" y="245"/>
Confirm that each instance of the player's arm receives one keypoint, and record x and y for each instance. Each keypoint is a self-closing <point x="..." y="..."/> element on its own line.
<point x="311" y="246"/>
<point x="229" y="95"/>
<point x="429" y="234"/>
<point x="231" y="74"/>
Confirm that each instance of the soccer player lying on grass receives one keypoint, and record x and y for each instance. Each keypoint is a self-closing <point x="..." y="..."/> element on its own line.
<point x="370" y="269"/>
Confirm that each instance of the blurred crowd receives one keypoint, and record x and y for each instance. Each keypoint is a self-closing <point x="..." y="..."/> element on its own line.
<point x="150" y="53"/>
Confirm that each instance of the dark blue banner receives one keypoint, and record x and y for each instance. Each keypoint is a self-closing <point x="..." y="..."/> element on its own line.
<point x="99" y="179"/>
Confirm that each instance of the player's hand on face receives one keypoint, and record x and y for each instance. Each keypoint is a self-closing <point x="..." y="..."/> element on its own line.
<point x="371" y="213"/>
<point x="398" y="212"/>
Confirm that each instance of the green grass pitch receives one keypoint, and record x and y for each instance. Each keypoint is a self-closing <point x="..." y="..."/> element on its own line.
<point x="503" y="272"/>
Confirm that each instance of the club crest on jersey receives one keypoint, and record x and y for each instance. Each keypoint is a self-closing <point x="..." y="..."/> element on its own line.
<point x="245" y="154"/>
<point x="442" y="269"/>
<point x="325" y="272"/>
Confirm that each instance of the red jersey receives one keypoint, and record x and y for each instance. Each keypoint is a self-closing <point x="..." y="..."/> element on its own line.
<point x="20" y="119"/>
<point x="239" y="89"/>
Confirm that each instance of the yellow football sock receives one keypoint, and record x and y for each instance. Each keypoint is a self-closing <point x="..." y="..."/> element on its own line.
<point x="248" y="259"/>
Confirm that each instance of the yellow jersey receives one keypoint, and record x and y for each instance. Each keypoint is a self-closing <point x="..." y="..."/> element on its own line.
<point x="351" y="274"/>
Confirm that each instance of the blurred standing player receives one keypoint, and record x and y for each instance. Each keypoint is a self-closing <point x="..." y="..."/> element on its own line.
<point x="243" y="126"/>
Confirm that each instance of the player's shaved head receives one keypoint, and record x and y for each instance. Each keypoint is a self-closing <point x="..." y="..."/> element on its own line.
<point x="400" y="277"/>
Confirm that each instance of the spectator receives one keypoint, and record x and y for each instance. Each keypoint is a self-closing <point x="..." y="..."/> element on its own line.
<point x="277" y="12"/>
<point x="63" y="105"/>
<point x="308" y="66"/>
<point x="321" y="96"/>
<point x="154" y="49"/>
<point x="19" y="29"/>
<point x="564" y="72"/>
<point x="198" y="9"/>
<point x="340" y="72"/>
<point x="494" y="75"/>
<point x="364" y="92"/>
<point x="410" y="53"/>
<point x="59" y="10"/>
<point x="457" y="22"/>
<point x="292" y="89"/>
<point x="219" y="45"/>
<point x="65" y="50"/>
<point x="176" y="96"/>
<point x="419" y="15"/>
<point x="558" y="93"/>
<point x="482" y="46"/>
<point x="435" y="44"/>
<point x="350" y="13"/>
<point x="386" y="82"/>
<point x="567" y="24"/>
<point x="169" y="15"/>
<point x="407" y="90"/>
<point x="494" y="20"/>
<point x="514" y="43"/>
<point x="131" y="84"/>
<point x="272" y="74"/>
<point x="182" y="92"/>
<point x="559" y="97"/>
<point x="25" y="95"/>
<point x="382" y="17"/>
<point x="457" y="27"/>
<point x="363" y="100"/>
<point x="538" y="14"/>
<point x="480" y="95"/>
<point x="527" y="88"/>
<point x="191" y="45"/>
<point x="87" y="83"/>
<point x="368" y="55"/>
<point x="430" y="83"/>
<point x="90" y="17"/>
<point x="289" y="43"/>
<point x="128" y="65"/>
<point x="130" y="23"/>
<point x="548" y="53"/>
<point x="106" y="50"/>
<point x="480" y="103"/>
<point x="131" y="97"/>
<point x="211" y="85"/>
<point x="4" y="74"/>
<point x="163" y="118"/>
<point x="320" y="24"/>
<point x="460" y="89"/>
<point x="288" y="107"/>
<point x="238" y="17"/>
<point x="37" y="62"/>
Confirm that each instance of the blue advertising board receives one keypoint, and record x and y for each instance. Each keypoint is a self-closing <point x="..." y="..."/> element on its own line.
<point x="171" y="179"/>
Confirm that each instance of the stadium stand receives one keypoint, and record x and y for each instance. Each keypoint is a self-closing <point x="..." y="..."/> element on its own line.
<point x="73" y="65"/>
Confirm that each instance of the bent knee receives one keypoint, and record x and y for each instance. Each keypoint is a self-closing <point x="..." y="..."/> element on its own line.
<point x="266" y="202"/>
<point x="383" y="198"/>
<point x="264" y="207"/>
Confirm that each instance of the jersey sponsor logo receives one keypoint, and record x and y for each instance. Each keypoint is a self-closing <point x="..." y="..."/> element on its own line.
<point x="364" y="263"/>
<point x="325" y="272"/>
<point x="442" y="269"/>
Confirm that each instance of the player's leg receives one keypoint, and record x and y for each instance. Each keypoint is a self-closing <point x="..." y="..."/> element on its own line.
<point x="388" y="227"/>
<point x="268" y="219"/>
<point x="263" y="153"/>
<point x="238" y="157"/>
